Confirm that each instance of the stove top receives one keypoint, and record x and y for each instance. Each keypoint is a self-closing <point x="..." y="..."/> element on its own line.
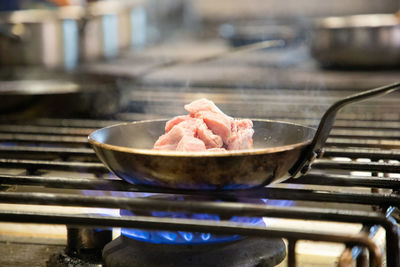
<point x="50" y="177"/>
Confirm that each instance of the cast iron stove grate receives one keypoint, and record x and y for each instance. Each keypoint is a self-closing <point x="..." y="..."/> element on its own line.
<point x="39" y="148"/>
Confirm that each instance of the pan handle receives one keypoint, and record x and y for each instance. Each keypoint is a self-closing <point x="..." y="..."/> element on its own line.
<point x="314" y="150"/>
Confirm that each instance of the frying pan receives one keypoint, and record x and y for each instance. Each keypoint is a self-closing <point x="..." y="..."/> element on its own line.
<point x="281" y="150"/>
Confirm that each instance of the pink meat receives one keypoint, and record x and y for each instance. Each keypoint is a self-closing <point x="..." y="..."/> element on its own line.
<point x="242" y="138"/>
<point x="206" y="135"/>
<point x="189" y="143"/>
<point x="170" y="140"/>
<point x="171" y="147"/>
<point x="244" y="124"/>
<point x="202" y="105"/>
<point x="175" y="121"/>
<point x="219" y="124"/>
<point x="206" y="128"/>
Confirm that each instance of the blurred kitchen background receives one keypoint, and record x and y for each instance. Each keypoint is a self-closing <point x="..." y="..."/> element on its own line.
<point x="68" y="67"/>
<point x="64" y="47"/>
<point x="63" y="33"/>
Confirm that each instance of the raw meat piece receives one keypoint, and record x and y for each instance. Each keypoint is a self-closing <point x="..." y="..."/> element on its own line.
<point x="244" y="124"/>
<point x="174" y="121"/>
<point x="202" y="105"/>
<point x="198" y="127"/>
<point x="171" y="147"/>
<point x="206" y="135"/>
<point x="189" y="143"/>
<point x="170" y="140"/>
<point x="242" y="137"/>
<point x="206" y="128"/>
<point x="190" y="124"/>
<point x="216" y="120"/>
<point x="219" y="124"/>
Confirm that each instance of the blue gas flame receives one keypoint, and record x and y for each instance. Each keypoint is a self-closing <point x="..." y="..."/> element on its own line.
<point x="181" y="237"/>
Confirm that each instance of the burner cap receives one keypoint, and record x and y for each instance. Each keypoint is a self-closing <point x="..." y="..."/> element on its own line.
<point x="251" y="251"/>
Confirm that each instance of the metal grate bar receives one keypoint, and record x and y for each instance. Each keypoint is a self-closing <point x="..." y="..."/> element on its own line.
<point x="119" y="185"/>
<point x="100" y="168"/>
<point x="33" y="165"/>
<point x="328" y="196"/>
<point x="31" y="129"/>
<point x="68" y="183"/>
<point x="349" y="123"/>
<point x="346" y="180"/>
<point x="363" y="144"/>
<point x="357" y="166"/>
<point x="368" y="142"/>
<point x="43" y="138"/>
<point x="38" y="152"/>
<point x="270" y="193"/>
<point x="365" y="135"/>
<point x="373" y="154"/>
<point x="193" y="225"/>
<point x="74" y="123"/>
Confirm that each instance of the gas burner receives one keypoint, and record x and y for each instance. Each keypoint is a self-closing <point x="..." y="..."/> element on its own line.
<point x="182" y="237"/>
<point x="253" y="251"/>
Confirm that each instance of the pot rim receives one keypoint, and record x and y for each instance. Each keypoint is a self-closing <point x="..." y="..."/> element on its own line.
<point x="358" y="21"/>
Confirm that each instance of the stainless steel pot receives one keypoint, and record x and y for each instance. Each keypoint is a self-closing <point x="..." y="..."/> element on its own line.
<point x="359" y="41"/>
<point x="40" y="37"/>
<point x="109" y="28"/>
<point x="63" y="37"/>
